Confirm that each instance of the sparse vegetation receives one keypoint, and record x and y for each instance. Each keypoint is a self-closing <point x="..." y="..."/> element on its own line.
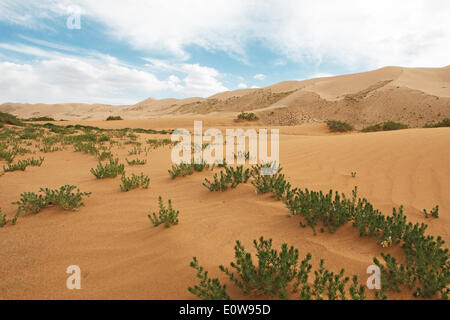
<point x="167" y="216"/>
<point x="339" y="126"/>
<point x="444" y="123"/>
<point x="385" y="126"/>
<point x="40" y="119"/>
<point x="6" y="118"/>
<point x="23" y="164"/>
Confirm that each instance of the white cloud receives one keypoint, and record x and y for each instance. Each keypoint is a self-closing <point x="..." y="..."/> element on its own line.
<point x="242" y="86"/>
<point x="259" y="76"/>
<point x="357" y="34"/>
<point x="55" y="77"/>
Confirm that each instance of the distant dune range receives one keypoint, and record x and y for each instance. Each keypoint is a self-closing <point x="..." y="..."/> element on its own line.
<point x="414" y="96"/>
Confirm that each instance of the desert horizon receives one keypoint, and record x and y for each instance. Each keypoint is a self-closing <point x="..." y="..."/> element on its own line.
<point x="191" y="165"/>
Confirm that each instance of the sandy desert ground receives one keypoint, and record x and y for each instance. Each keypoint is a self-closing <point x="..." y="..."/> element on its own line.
<point x="121" y="254"/>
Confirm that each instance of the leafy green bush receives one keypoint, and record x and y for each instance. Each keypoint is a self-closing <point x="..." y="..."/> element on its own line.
<point x="231" y="177"/>
<point x="339" y="126"/>
<point x="23" y="164"/>
<point x="114" y="118"/>
<point x="167" y="216"/>
<point x="109" y="170"/>
<point x="134" y="182"/>
<point x="30" y="202"/>
<point x="209" y="289"/>
<point x="250" y="116"/>
<point x="385" y="126"/>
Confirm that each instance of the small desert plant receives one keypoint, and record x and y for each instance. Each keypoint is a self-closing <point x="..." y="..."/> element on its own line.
<point x="184" y="169"/>
<point x="339" y="126"/>
<point x="114" y="118"/>
<point x="271" y="275"/>
<point x="434" y="212"/>
<point x="2" y="218"/>
<point x="353" y="173"/>
<point x="88" y="147"/>
<point x="23" y="164"/>
<point x="231" y="177"/>
<point x="134" y="182"/>
<point x="109" y="170"/>
<point x="250" y="116"/>
<point x="136" y="162"/>
<point x="104" y="155"/>
<point x="31" y="202"/>
<point x="167" y="216"/>
<point x="156" y="143"/>
<point x="209" y="289"/>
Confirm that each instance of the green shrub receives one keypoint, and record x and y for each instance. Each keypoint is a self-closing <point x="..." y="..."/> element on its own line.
<point x="134" y="182"/>
<point x="275" y="273"/>
<point x="184" y="169"/>
<point x="104" y="155"/>
<point x="7" y="118"/>
<point x="136" y="162"/>
<point x="114" y="118"/>
<point x="156" y="143"/>
<point x="88" y="147"/>
<point x="23" y="164"/>
<point x="31" y="202"/>
<point x="40" y="119"/>
<point x="444" y="123"/>
<point x="385" y="126"/>
<point x="434" y="212"/>
<point x="250" y="116"/>
<point x="167" y="216"/>
<point x="231" y="177"/>
<point x="2" y="218"/>
<point x="339" y="126"/>
<point x="209" y="289"/>
<point x="109" y="170"/>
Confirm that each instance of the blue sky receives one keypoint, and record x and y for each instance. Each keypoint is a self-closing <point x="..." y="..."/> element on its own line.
<point x="123" y="53"/>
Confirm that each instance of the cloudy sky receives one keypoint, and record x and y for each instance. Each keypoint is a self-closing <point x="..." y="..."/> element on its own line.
<point x="121" y="52"/>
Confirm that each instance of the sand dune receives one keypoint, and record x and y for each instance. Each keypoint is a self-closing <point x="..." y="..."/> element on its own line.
<point x="122" y="255"/>
<point x="413" y="96"/>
